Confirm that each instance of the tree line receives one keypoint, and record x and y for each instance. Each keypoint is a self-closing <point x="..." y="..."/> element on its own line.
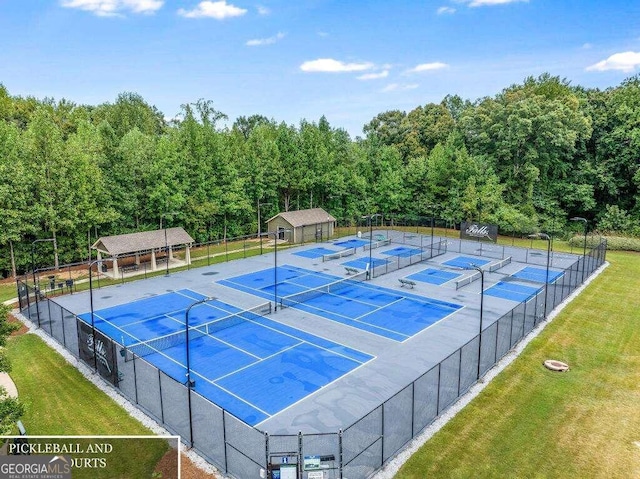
<point x="525" y="159"/>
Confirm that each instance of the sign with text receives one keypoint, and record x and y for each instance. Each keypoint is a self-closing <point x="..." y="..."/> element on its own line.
<point x="102" y="347"/>
<point x="478" y="231"/>
<point x="64" y="457"/>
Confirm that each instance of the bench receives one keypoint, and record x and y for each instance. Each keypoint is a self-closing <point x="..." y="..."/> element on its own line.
<point x="130" y="267"/>
<point x="406" y="282"/>
<point x="351" y="270"/>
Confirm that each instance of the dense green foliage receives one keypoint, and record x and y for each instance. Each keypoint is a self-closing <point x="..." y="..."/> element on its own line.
<point x="526" y="159"/>
<point x="11" y="409"/>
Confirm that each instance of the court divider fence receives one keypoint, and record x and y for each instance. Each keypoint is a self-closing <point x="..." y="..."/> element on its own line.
<point x="354" y="452"/>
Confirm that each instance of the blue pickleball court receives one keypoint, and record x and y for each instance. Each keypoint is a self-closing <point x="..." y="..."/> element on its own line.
<point x="512" y="291"/>
<point x="314" y="253"/>
<point x="538" y="275"/>
<point x="465" y="262"/>
<point x="433" y="276"/>
<point x="402" y="251"/>
<point x="241" y="360"/>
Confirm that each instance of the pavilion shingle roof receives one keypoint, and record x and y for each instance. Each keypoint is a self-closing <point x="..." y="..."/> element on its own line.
<point x="312" y="216"/>
<point x="142" y="241"/>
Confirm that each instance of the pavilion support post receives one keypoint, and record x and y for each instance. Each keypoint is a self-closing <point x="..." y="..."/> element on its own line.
<point x="187" y="256"/>
<point x="154" y="266"/>
<point x="116" y="273"/>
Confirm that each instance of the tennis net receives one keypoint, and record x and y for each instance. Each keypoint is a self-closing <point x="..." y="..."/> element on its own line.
<point x="377" y="244"/>
<point x="151" y="346"/>
<point x="339" y="254"/>
<point x="331" y="288"/>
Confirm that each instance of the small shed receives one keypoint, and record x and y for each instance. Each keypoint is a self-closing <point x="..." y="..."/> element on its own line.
<point x="155" y="246"/>
<point x="313" y="224"/>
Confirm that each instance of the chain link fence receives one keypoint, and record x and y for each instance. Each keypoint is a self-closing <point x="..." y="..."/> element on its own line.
<point x="357" y="451"/>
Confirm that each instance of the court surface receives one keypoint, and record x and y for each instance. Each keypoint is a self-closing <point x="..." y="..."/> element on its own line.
<point x="351" y="243"/>
<point x="254" y="369"/>
<point x="363" y="263"/>
<point x="512" y="291"/>
<point x="314" y="253"/>
<point x="402" y="251"/>
<point x="539" y="275"/>
<point x="465" y="262"/>
<point x="433" y="276"/>
<point x="374" y="309"/>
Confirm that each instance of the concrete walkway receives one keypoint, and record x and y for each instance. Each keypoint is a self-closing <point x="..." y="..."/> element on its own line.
<point x="7" y="383"/>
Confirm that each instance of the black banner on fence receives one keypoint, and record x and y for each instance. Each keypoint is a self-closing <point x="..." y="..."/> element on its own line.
<point x="105" y="359"/>
<point x="478" y="231"/>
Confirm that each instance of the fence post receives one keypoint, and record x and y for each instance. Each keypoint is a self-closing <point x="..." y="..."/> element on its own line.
<point x="382" y="431"/>
<point x="299" y="453"/>
<point x="340" y="454"/>
<point x="266" y="450"/>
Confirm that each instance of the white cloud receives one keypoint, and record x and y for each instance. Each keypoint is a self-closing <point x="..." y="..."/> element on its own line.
<point x="489" y="3"/>
<point x="218" y="10"/>
<point x="374" y="76"/>
<point x="323" y="34"/>
<point x="399" y="87"/>
<point x="428" y="67"/>
<point x="265" y="41"/>
<point x="587" y="46"/>
<point x="446" y="10"/>
<point x="329" y="65"/>
<point x="262" y="10"/>
<point x="624" y="62"/>
<point x="110" y="8"/>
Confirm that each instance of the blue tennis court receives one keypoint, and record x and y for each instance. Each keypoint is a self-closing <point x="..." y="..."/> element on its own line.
<point x="465" y="262"/>
<point x="512" y="291"/>
<point x="539" y="275"/>
<point x="433" y="276"/>
<point x="243" y="361"/>
<point x="402" y="251"/>
<point x="357" y="304"/>
<point x="362" y="263"/>
<point x="352" y="243"/>
<point x="314" y="253"/>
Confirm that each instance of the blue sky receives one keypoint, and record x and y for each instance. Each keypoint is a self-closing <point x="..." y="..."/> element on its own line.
<point x="289" y="60"/>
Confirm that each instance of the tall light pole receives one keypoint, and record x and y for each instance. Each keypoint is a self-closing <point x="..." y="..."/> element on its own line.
<point x="370" y="218"/>
<point x="93" y="325"/>
<point x="260" y="205"/>
<point x="189" y="382"/>
<point x="166" y="241"/>
<point x="33" y="270"/>
<point x="584" y="251"/>
<point x="481" y="271"/>
<point x="546" y="237"/>
<point x="432" y="208"/>
<point x="275" y="263"/>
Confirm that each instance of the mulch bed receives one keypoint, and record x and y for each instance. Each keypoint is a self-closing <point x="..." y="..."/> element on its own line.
<point x="167" y="467"/>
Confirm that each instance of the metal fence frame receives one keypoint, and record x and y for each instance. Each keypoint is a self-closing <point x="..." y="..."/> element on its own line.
<point x="354" y="452"/>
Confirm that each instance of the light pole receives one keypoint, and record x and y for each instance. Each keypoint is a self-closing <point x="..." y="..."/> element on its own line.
<point x="432" y="208"/>
<point x="546" y="237"/>
<point x="584" y="251"/>
<point x="481" y="271"/>
<point x="275" y="263"/>
<point x="166" y="241"/>
<point x="93" y="326"/>
<point x="189" y="382"/>
<point x="370" y="218"/>
<point x="260" y="205"/>
<point x="33" y="270"/>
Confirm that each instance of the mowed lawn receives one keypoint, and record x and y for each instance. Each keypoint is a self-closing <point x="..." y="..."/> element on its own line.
<point x="532" y="423"/>
<point x="60" y="401"/>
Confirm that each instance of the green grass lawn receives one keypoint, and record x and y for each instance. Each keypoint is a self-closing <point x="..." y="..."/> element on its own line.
<point x="532" y="423"/>
<point x="60" y="401"/>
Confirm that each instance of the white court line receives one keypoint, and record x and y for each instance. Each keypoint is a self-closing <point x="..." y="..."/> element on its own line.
<point x="257" y="362"/>
<point x="313" y="393"/>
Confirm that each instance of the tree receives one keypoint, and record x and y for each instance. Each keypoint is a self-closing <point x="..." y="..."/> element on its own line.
<point x="11" y="409"/>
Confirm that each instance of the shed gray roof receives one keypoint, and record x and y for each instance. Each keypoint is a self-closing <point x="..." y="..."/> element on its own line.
<point x="312" y="216"/>
<point x="142" y="241"/>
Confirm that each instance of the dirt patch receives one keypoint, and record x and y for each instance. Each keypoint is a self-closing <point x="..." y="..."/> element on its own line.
<point x="22" y="330"/>
<point x="167" y="467"/>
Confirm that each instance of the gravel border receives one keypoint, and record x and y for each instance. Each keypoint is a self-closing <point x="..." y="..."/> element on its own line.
<point x="109" y="390"/>
<point x="391" y="468"/>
